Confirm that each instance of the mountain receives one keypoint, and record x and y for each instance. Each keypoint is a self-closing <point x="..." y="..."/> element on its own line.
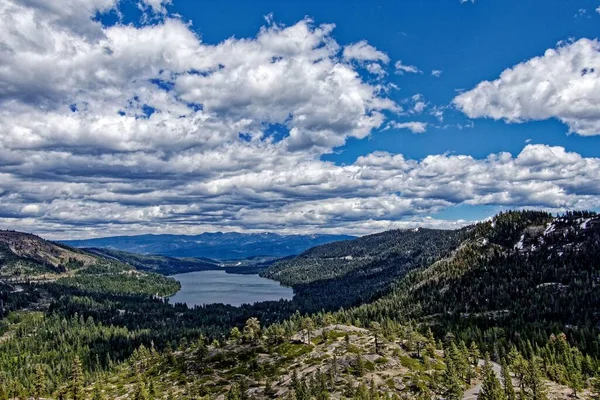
<point x="154" y="263"/>
<point x="23" y="254"/>
<point x="352" y="272"/>
<point x="523" y="275"/>
<point x="27" y="262"/>
<point x="218" y="245"/>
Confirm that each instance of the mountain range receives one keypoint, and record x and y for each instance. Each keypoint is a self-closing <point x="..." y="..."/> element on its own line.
<point x="398" y="314"/>
<point x="214" y="245"/>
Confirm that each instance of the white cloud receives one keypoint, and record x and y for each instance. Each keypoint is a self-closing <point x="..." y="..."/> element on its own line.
<point x="413" y="126"/>
<point x="564" y="83"/>
<point x="363" y="51"/>
<point x="376" y="69"/>
<point x="401" y="68"/>
<point x="419" y="104"/>
<point x="436" y="72"/>
<point x="598" y="10"/>
<point x="114" y="130"/>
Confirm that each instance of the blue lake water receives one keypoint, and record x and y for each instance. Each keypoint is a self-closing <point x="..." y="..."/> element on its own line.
<point x="206" y="287"/>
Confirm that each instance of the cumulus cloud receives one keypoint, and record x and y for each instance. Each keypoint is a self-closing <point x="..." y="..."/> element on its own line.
<point x="436" y="72"/>
<point x="413" y="126"/>
<point x="116" y="130"/>
<point x="564" y="83"/>
<point x="376" y="69"/>
<point x="363" y="51"/>
<point x="402" y="69"/>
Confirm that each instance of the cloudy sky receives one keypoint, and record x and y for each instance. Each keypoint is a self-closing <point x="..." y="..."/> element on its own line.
<point x="157" y="116"/>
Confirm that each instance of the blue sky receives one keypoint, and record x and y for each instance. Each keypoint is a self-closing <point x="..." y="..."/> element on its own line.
<point x="469" y="42"/>
<point x="187" y="116"/>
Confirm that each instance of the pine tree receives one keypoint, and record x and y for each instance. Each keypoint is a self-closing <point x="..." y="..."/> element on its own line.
<point x="519" y="366"/>
<point x="151" y="389"/>
<point x="140" y="392"/>
<point x="464" y="362"/>
<point x="40" y="382"/>
<point x="474" y="354"/>
<point x="76" y="388"/>
<point x="490" y="387"/>
<point x="362" y="393"/>
<point x="97" y="393"/>
<point x="252" y="329"/>
<point x="308" y="326"/>
<point x="376" y="329"/>
<point x="574" y="374"/>
<point x="452" y="380"/>
<point x="359" y="366"/>
<point x="534" y="380"/>
<point x="509" y="390"/>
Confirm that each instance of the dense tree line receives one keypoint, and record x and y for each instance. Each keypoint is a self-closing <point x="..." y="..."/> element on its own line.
<point x="348" y="273"/>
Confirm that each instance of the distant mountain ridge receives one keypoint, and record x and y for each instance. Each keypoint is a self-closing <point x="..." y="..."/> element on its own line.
<point x="214" y="245"/>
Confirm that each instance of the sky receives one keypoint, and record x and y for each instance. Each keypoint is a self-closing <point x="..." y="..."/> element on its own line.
<point x="156" y="116"/>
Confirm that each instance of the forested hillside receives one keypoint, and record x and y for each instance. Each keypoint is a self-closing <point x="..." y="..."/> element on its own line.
<point x="521" y="276"/>
<point x="154" y="263"/>
<point x="351" y="272"/>
<point x="506" y="308"/>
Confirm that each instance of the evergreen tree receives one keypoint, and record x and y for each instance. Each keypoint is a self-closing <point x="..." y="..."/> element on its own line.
<point x="574" y="373"/>
<point x="97" y="393"/>
<point x="468" y="369"/>
<point x="252" y="329"/>
<point x="40" y="382"/>
<point x="509" y="390"/>
<point x="376" y="329"/>
<point x="519" y="366"/>
<point x="359" y="366"/>
<point x="76" y="388"/>
<point x="452" y="380"/>
<point x="490" y="387"/>
<point x="474" y="354"/>
<point x="534" y="380"/>
<point x="140" y="392"/>
<point x="308" y="326"/>
<point x="235" y="334"/>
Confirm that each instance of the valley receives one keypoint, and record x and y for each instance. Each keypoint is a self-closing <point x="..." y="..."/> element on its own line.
<point x="401" y="314"/>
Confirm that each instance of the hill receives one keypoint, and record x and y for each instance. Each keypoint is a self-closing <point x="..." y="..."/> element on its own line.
<point x="23" y="254"/>
<point x="218" y="245"/>
<point x="520" y="276"/>
<point x="27" y="262"/>
<point x="352" y="272"/>
<point x="155" y="263"/>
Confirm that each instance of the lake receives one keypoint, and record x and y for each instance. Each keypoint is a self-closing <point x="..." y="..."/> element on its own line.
<point x="206" y="287"/>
